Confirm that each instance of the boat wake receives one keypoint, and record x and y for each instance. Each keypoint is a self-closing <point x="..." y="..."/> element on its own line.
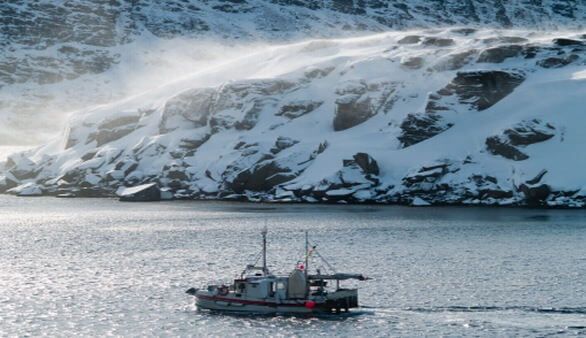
<point x="529" y="309"/>
<point x="559" y="310"/>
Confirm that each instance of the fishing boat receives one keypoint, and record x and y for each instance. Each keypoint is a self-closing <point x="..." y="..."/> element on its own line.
<point x="301" y="292"/>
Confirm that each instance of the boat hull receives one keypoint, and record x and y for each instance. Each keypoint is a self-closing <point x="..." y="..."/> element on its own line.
<point x="224" y="304"/>
<point x="336" y="304"/>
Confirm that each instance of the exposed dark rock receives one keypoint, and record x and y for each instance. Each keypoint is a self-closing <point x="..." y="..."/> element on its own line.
<point x="521" y="134"/>
<point x="410" y="40"/>
<point x="535" y="195"/>
<point x="73" y="176"/>
<point x="191" y="108"/>
<point x="21" y="167"/>
<point x="455" y="61"/>
<point x="438" y="42"/>
<point x="178" y="175"/>
<point x="499" y="54"/>
<point x="464" y="31"/>
<point x="119" y="122"/>
<point x="480" y="89"/>
<point x="494" y="193"/>
<point x="191" y="145"/>
<point x="568" y="42"/>
<point x="106" y="136"/>
<point x="557" y="62"/>
<point x="89" y="192"/>
<point x="366" y="163"/>
<point x="114" y="129"/>
<point x="530" y="132"/>
<point x="88" y="156"/>
<point x="537" y="178"/>
<point x="282" y="143"/>
<point x="352" y="111"/>
<point x="318" y="73"/>
<point x="7" y="183"/>
<point x="505" y="39"/>
<point x="419" y="127"/>
<point x="297" y="109"/>
<point x="220" y="122"/>
<point x="126" y="166"/>
<point x="24" y="174"/>
<point x="143" y="193"/>
<point x="497" y="146"/>
<point x="251" y="116"/>
<point x="414" y="62"/>
<point x="429" y="174"/>
<point x="262" y="177"/>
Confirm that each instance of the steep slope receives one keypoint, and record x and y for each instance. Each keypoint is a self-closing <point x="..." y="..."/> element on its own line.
<point x="62" y="56"/>
<point x="444" y="117"/>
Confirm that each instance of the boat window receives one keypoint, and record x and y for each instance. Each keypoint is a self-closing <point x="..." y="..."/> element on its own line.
<point x="280" y="286"/>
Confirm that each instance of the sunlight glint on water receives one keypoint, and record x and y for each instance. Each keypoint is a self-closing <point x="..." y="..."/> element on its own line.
<point x="97" y="266"/>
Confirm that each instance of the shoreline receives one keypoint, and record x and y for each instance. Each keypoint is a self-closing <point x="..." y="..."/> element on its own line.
<point x="329" y="203"/>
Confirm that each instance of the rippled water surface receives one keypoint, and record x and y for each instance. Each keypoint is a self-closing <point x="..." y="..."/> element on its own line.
<point x="97" y="266"/>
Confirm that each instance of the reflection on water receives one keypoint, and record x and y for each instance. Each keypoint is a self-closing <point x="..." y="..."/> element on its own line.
<point x="96" y="266"/>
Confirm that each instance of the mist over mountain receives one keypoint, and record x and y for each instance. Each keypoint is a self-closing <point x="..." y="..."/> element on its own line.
<point x="59" y="57"/>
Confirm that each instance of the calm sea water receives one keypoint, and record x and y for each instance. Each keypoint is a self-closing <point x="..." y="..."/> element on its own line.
<point x="89" y="267"/>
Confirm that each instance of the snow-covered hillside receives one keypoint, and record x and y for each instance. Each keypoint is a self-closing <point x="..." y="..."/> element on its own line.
<point x="61" y="56"/>
<point x="453" y="116"/>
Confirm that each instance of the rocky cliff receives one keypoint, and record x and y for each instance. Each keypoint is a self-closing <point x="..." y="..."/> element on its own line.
<point x="457" y="116"/>
<point x="55" y="53"/>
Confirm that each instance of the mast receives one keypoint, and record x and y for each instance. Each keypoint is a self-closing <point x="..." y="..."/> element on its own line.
<point x="264" y="251"/>
<point x="306" y="254"/>
<point x="306" y="264"/>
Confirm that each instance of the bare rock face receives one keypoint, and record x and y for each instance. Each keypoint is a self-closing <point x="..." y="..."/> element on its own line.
<point x="114" y="129"/>
<point x="498" y="146"/>
<point x="563" y="42"/>
<point x="479" y="89"/>
<point x="455" y="61"/>
<point x="520" y="135"/>
<point x="7" y="183"/>
<point x="352" y="111"/>
<point x="293" y="110"/>
<point x="262" y="177"/>
<point x="282" y="143"/>
<point x="358" y="101"/>
<point x="356" y="178"/>
<point x="437" y="42"/>
<point x="414" y="62"/>
<point x="188" y="109"/>
<point x="144" y="193"/>
<point x="21" y="167"/>
<point x="530" y="132"/>
<point x="419" y="127"/>
<point x="238" y="105"/>
<point x="557" y="62"/>
<point x="535" y="192"/>
<point x="410" y="40"/>
<point x="368" y="164"/>
<point x="500" y="54"/>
